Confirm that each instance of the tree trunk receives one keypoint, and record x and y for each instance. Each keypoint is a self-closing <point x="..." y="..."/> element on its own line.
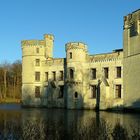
<point x="5" y="83"/>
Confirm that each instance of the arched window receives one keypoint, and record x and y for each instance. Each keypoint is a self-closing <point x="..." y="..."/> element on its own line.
<point x="76" y="94"/>
<point x="71" y="73"/>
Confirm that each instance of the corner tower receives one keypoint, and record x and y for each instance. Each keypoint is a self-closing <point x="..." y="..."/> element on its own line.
<point x="131" y="45"/>
<point x="34" y="54"/>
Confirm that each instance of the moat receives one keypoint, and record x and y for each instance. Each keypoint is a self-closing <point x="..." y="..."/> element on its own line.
<point x="42" y="124"/>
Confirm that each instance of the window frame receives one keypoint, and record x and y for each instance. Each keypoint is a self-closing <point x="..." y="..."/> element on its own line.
<point x="37" y="76"/>
<point x="37" y="50"/>
<point x="54" y="75"/>
<point x="76" y="95"/>
<point x="61" y="91"/>
<point x="118" y="72"/>
<point x="61" y="76"/>
<point x="70" y="55"/>
<point x="37" y="62"/>
<point x="71" y="73"/>
<point x="46" y="76"/>
<point x="118" y="91"/>
<point x="37" y="91"/>
<point x="93" y="91"/>
<point x="106" y="72"/>
<point x="93" y="74"/>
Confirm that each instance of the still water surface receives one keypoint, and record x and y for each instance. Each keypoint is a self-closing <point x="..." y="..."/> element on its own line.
<point x="17" y="123"/>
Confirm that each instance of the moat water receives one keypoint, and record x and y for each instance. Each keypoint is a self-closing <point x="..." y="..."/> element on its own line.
<point x="17" y="123"/>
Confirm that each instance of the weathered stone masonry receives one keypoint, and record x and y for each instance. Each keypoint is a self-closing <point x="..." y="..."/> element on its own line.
<point x="82" y="81"/>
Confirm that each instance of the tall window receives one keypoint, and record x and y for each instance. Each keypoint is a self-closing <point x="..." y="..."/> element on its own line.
<point x="61" y="92"/>
<point x="37" y="76"/>
<point x="118" y="91"/>
<point x="118" y="72"/>
<point x="106" y="72"/>
<point x="71" y="73"/>
<point x="46" y="76"/>
<point x="61" y="75"/>
<point x="93" y="73"/>
<point x="37" y="91"/>
<point x="93" y="91"/>
<point x="37" y="50"/>
<point x="54" y="75"/>
<point x="37" y="62"/>
<point x="70" y="55"/>
<point x="76" y="95"/>
<point x="133" y="29"/>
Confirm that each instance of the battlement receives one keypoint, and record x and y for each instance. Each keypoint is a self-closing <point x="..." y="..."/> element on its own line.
<point x="76" y="45"/>
<point x="48" y="36"/>
<point x="131" y="19"/>
<point x="113" y="56"/>
<point x="35" y="42"/>
<point x="32" y="42"/>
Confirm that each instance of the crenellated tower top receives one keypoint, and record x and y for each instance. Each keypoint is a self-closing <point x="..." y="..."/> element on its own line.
<point x="76" y="45"/>
<point x="49" y="36"/>
<point x="132" y="22"/>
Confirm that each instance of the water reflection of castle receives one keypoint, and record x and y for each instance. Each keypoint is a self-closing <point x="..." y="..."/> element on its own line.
<point x="81" y="80"/>
<point x="46" y="124"/>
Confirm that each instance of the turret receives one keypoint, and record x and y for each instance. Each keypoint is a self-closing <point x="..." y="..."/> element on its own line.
<point x="48" y="44"/>
<point x="76" y="52"/>
<point x="131" y="33"/>
<point x="131" y="62"/>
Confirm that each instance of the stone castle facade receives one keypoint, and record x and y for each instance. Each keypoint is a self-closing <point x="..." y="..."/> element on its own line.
<point x="81" y="80"/>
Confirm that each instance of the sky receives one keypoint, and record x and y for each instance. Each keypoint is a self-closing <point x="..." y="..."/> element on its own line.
<point x="97" y="23"/>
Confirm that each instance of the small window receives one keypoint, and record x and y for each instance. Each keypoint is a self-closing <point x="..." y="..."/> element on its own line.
<point x="93" y="91"/>
<point x="71" y="73"/>
<point x="37" y="91"/>
<point x="93" y="74"/>
<point x="75" y="95"/>
<point x="70" y="55"/>
<point x="46" y="76"/>
<point x="106" y="73"/>
<point x="37" y="61"/>
<point x="54" y="75"/>
<point x="61" y="92"/>
<point x="61" y="76"/>
<point x="133" y="29"/>
<point x="37" y="50"/>
<point x="37" y="76"/>
<point x="118" y="91"/>
<point x="118" y="72"/>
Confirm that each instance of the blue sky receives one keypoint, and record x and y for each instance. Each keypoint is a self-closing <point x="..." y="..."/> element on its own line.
<point x="98" y="23"/>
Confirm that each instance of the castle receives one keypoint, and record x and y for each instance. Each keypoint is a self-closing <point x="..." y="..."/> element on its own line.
<point x="83" y="81"/>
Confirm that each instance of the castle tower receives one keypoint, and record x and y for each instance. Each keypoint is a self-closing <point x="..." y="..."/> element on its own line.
<point x="34" y="54"/>
<point x="76" y="54"/>
<point x="131" y="45"/>
<point x="48" y="41"/>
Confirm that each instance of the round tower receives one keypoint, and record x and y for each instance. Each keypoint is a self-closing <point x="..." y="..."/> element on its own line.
<point x="32" y="55"/>
<point x="76" y="54"/>
<point x="48" y="40"/>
